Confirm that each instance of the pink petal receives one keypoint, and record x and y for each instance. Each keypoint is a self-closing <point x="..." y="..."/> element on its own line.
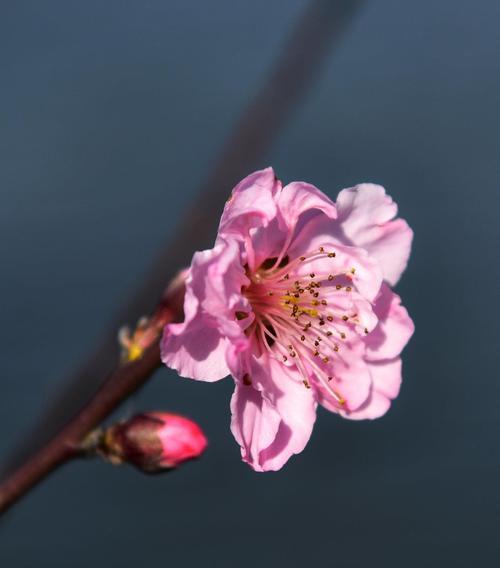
<point x="365" y="217"/>
<point x="376" y="406"/>
<point x="297" y="408"/>
<point x="394" y="329"/>
<point x="276" y="391"/>
<point x="386" y="377"/>
<point x="351" y="379"/>
<point x="300" y="197"/>
<point x="251" y="205"/>
<point x="267" y="242"/>
<point x="197" y="348"/>
<point x="254" y="423"/>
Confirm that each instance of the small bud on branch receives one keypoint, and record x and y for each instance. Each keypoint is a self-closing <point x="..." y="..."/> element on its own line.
<point x="152" y="442"/>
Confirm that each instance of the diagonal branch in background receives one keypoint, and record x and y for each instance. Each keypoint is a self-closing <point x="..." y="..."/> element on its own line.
<point x="306" y="49"/>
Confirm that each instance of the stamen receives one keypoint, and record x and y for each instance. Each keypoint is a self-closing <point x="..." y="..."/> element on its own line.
<point x="285" y="313"/>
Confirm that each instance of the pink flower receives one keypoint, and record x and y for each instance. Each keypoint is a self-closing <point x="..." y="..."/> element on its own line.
<point x="294" y="302"/>
<point x="154" y="441"/>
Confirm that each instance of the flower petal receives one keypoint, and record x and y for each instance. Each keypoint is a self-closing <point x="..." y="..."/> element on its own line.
<point x="365" y="217"/>
<point x="284" y="388"/>
<point x="267" y="242"/>
<point x="197" y="348"/>
<point x="386" y="377"/>
<point x="251" y="205"/>
<point x="299" y="197"/>
<point x="281" y="394"/>
<point x="254" y="423"/>
<point x="394" y="329"/>
<point x="351" y="379"/>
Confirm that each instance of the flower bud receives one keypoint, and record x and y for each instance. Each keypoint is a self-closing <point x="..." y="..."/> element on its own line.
<point x="153" y="442"/>
<point x="134" y="342"/>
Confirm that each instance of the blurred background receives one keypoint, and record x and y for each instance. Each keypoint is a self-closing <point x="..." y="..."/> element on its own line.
<point x="112" y="114"/>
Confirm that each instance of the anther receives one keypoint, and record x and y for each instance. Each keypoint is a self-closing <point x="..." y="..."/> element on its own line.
<point x="331" y="255"/>
<point x="345" y="318"/>
<point x="329" y="318"/>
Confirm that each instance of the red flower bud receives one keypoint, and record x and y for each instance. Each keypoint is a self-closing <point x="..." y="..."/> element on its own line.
<point x="153" y="441"/>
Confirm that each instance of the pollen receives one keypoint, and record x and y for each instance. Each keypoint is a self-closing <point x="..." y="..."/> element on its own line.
<point x="135" y="351"/>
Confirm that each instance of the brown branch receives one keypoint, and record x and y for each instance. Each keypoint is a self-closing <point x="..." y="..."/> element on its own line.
<point x="306" y="49"/>
<point x="66" y="445"/>
<point x="126" y="379"/>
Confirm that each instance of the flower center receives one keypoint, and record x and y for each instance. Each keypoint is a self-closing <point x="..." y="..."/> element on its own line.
<point x="302" y="317"/>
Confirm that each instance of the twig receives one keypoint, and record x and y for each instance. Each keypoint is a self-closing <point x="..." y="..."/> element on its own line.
<point x="306" y="49"/>
<point x="66" y="445"/>
<point x="126" y="379"/>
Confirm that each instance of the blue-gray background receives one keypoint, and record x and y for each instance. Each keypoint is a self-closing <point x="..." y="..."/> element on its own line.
<point x="111" y="114"/>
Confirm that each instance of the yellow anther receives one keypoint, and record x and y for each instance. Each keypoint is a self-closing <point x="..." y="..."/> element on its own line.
<point x="134" y="351"/>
